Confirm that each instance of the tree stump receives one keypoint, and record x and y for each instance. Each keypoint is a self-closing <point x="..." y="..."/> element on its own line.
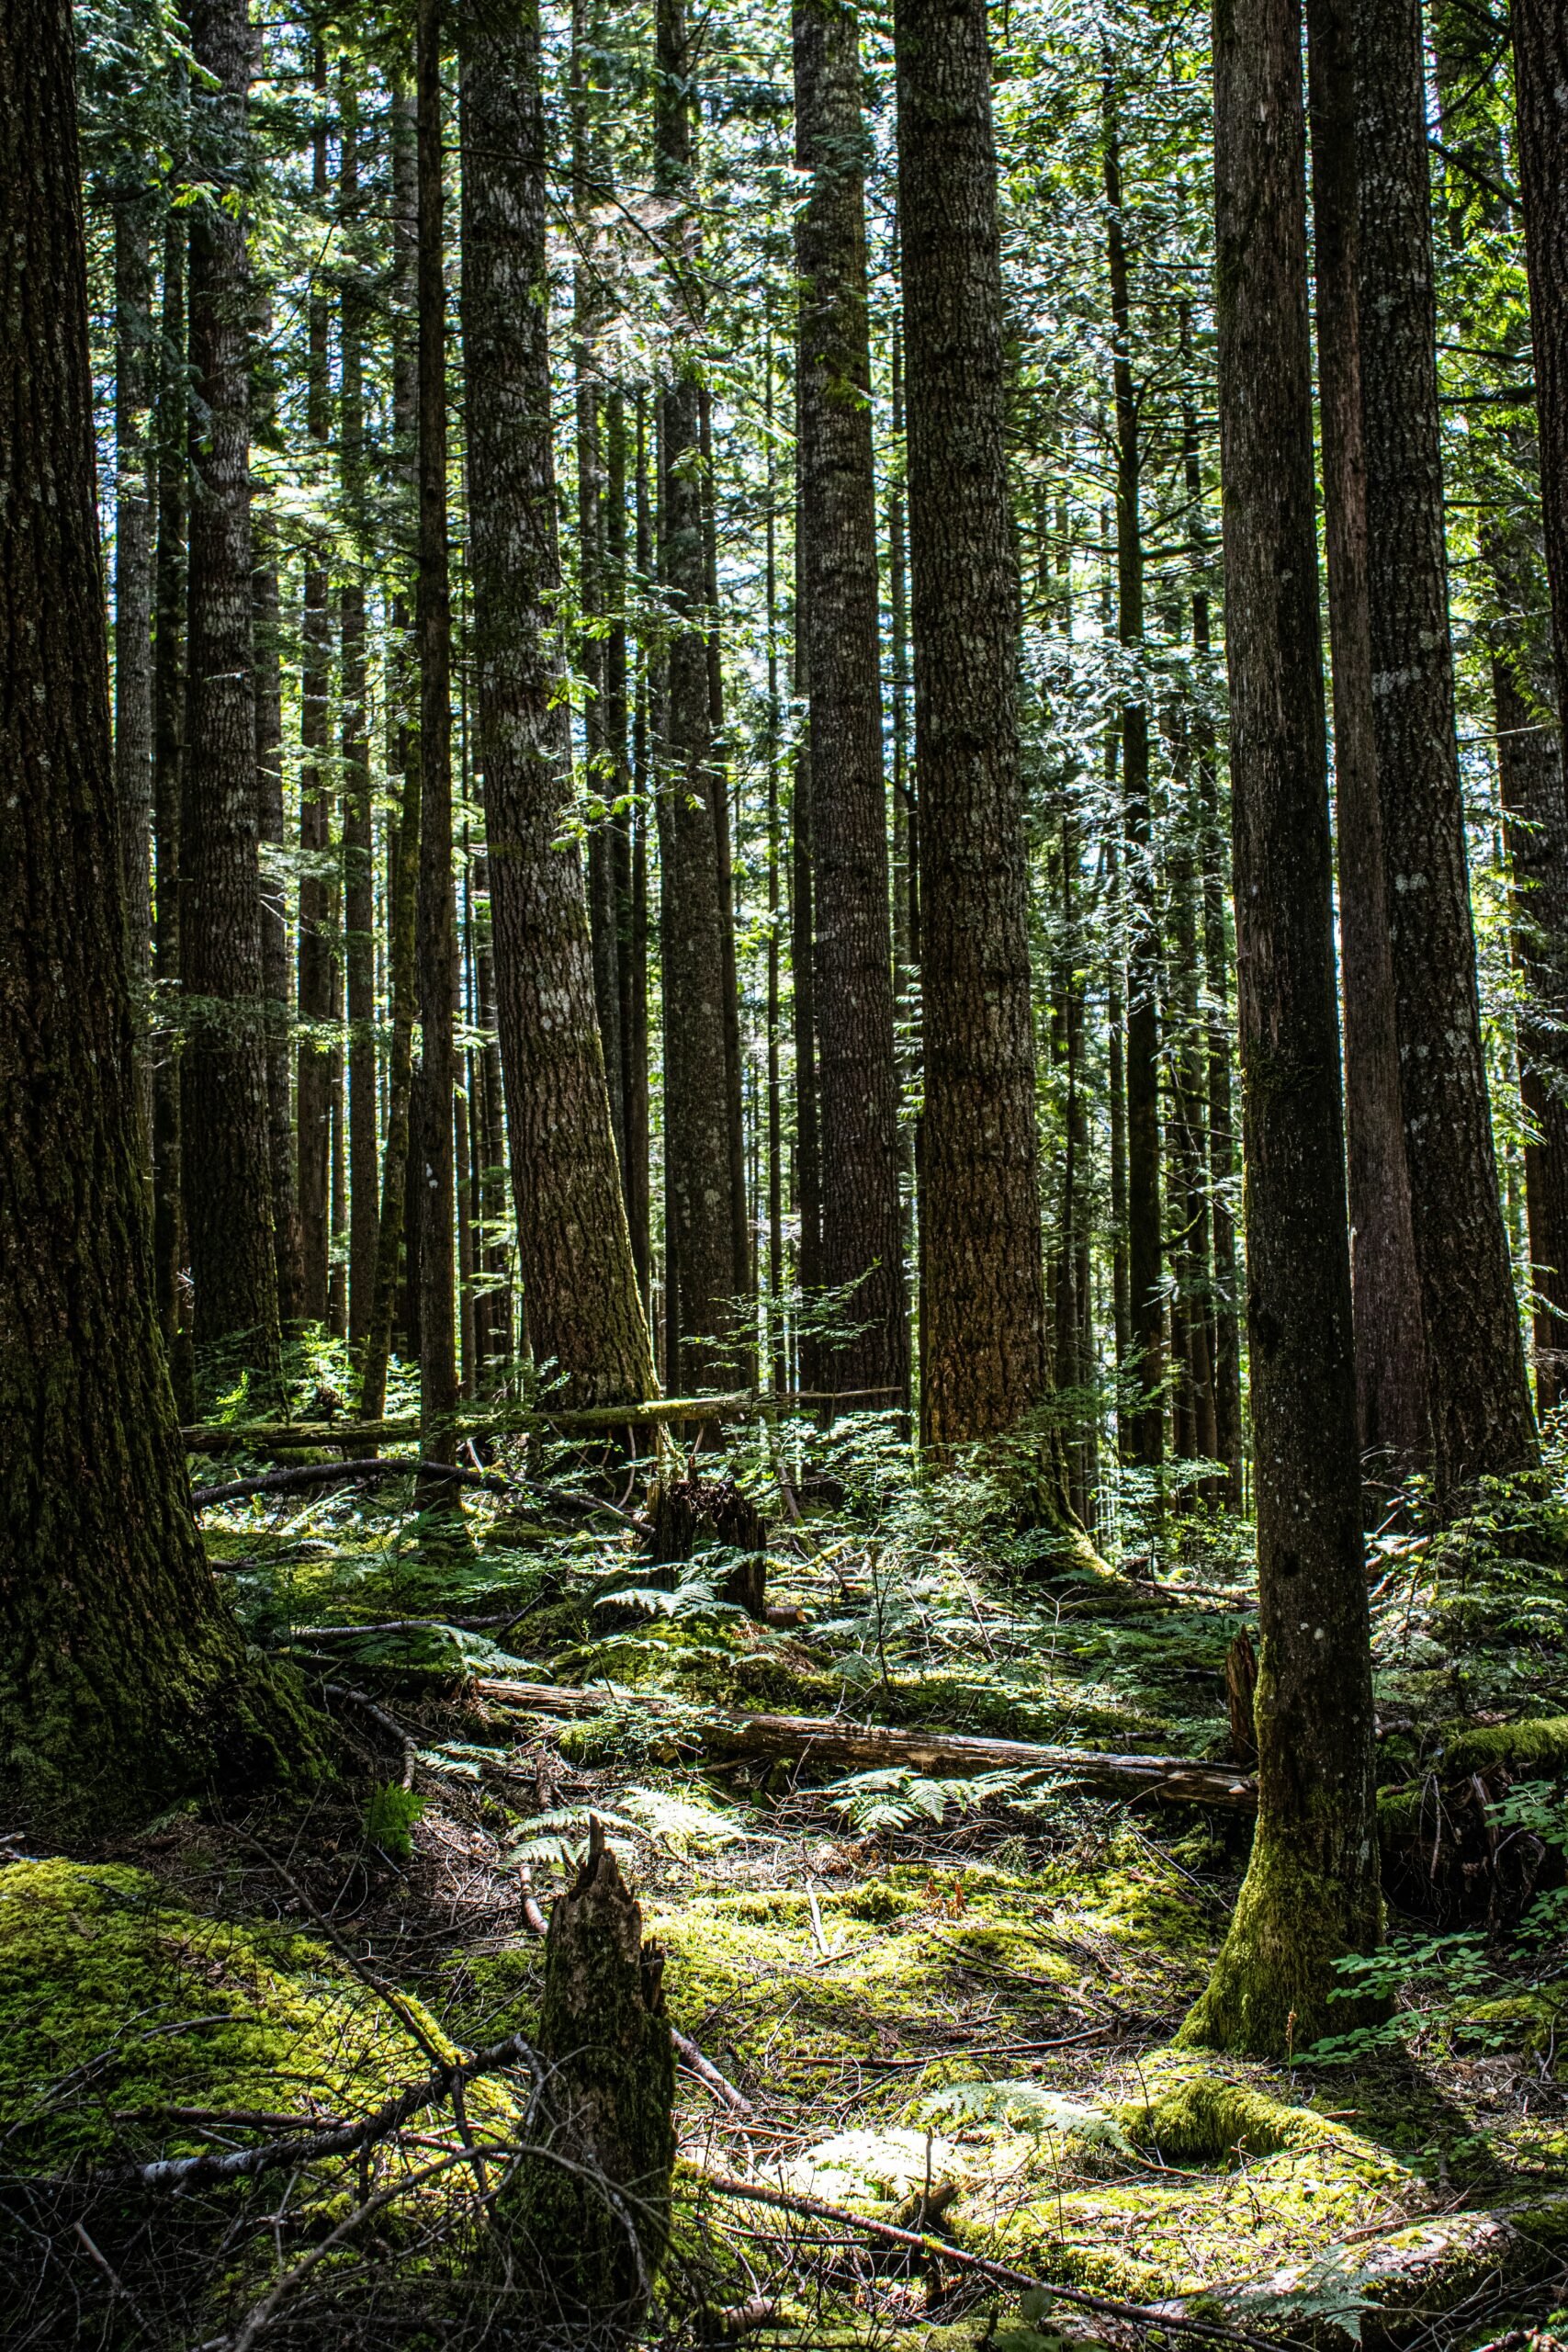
<point x="595" y="2225"/>
<point x="1241" y="1696"/>
<point x="688" y="1512"/>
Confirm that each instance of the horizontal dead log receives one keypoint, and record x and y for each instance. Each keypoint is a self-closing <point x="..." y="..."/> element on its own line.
<point x="834" y="1741"/>
<point x="375" y="1471"/>
<point x="268" y="1436"/>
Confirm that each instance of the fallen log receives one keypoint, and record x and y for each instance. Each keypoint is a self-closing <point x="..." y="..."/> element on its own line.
<point x="743" y="1404"/>
<point x="377" y="1470"/>
<point x="835" y="1742"/>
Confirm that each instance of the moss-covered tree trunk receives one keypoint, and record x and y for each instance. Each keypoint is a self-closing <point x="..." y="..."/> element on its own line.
<point x="1310" y="1892"/>
<point x="122" y="1678"/>
<point x="584" y="1309"/>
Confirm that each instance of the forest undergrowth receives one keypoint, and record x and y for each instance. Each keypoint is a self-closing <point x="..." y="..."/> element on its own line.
<point x="937" y="2000"/>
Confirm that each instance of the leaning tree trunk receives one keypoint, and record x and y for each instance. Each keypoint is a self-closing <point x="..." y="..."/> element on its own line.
<point x="1310" y="1892"/>
<point x="1540" y="78"/>
<point x="701" y="1333"/>
<point x="123" y="1679"/>
<point x="983" y="1302"/>
<point x="575" y="1252"/>
<point x="228" y="1182"/>
<point x="435" y="918"/>
<point x="1390" y="1381"/>
<point x="1478" y="1392"/>
<point x="862" y="1241"/>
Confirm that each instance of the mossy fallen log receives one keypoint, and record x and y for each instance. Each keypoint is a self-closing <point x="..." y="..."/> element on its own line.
<point x="838" y="1743"/>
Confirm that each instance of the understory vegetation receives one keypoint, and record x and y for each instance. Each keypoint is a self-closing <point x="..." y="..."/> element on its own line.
<point x="939" y="2000"/>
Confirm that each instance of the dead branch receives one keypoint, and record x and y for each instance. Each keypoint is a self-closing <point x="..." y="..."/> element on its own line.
<point x="264" y="1436"/>
<point x="378" y="1715"/>
<point x="838" y="1742"/>
<point x="375" y="1470"/>
<point x="692" y="2058"/>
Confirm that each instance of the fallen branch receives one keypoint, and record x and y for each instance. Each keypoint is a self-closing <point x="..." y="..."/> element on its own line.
<point x="181" y="2172"/>
<point x="692" y="2058"/>
<point x="367" y="1706"/>
<point x="834" y="1741"/>
<point x="375" y="1470"/>
<point x="264" y="1436"/>
<point x="757" y="2192"/>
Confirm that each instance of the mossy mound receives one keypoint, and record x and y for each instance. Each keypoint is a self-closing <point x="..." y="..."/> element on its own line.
<point x="1210" y="2120"/>
<point x="1537" y="1751"/>
<point x="120" y="2009"/>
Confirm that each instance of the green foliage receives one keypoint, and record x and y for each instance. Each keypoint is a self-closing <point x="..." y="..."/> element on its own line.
<point x="390" y="1813"/>
<point x="894" y="1798"/>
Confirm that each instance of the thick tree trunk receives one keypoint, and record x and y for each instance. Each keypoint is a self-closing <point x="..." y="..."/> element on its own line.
<point x="133" y="585"/>
<point x="436" y="931"/>
<point x="584" y="1309"/>
<point x="123" y="1680"/>
<point x="1540" y="79"/>
<point x="228" y="1184"/>
<point x="1391" y="1381"/>
<point x="699" y="1173"/>
<point x="168" y="766"/>
<point x="1310" y="1892"/>
<point x="1145" y="1297"/>
<point x="1478" y="1393"/>
<point x="983" y="1308"/>
<point x="862" y="1242"/>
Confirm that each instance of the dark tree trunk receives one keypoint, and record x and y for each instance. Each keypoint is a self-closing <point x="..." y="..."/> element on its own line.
<point x="1310" y="1892"/>
<point x="228" y="1182"/>
<point x="1540" y="77"/>
<point x="617" y="717"/>
<point x="435" y="933"/>
<point x="735" y="1113"/>
<point x="1391" y="1381"/>
<point x="276" y="974"/>
<point x="124" y="1680"/>
<point x="317" y="894"/>
<point x="983" y="1307"/>
<point x="358" y="843"/>
<point x="802" y="960"/>
<point x="584" y="1311"/>
<point x="862" y="1221"/>
<point x="168" y="766"/>
<point x="1145" y="1298"/>
<point x="1478" y="1392"/>
<point x="699" y="1173"/>
<point x="636" y="1172"/>
<point x="1222" y="1148"/>
<point x="133" y="585"/>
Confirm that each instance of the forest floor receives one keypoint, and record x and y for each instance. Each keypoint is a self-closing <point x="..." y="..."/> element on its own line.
<point x="948" y="2004"/>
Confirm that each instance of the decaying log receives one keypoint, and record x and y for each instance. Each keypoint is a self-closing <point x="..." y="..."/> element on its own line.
<point x="376" y="1471"/>
<point x="835" y="1743"/>
<point x="596" y="2219"/>
<point x="687" y="1513"/>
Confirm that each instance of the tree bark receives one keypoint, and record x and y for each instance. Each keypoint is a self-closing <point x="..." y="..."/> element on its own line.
<point x="124" y="1682"/>
<point x="1390" y="1379"/>
<point x="228" y="1184"/>
<point x="584" y="1309"/>
<point x="699" y="1173"/>
<point x="168" y="766"/>
<point x="133" y="585"/>
<point x="1478" y="1392"/>
<point x="435" y="933"/>
<point x="1310" y="1892"/>
<point x="1540" y="79"/>
<point x="862" y="1242"/>
<point x="358" y="840"/>
<point x="984" y="1354"/>
<point x="275" y="975"/>
<point x="317" y="890"/>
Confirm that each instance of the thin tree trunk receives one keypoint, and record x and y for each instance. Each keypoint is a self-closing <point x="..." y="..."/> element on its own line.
<point x="436" y="951"/>
<point x="358" y="841"/>
<point x="1390" y="1381"/>
<point x="1145" y="1299"/>
<point x="1310" y="1892"/>
<point x="1540" y="77"/>
<point x="697" y="1140"/>
<point x="636" y="1172"/>
<point x="862" y="1241"/>
<point x="1478" y="1392"/>
<point x="317" y="891"/>
<point x="228" y="1187"/>
<point x="1222" y="1143"/>
<point x="778" y="1362"/>
<point x="618" y="827"/>
<point x="168" y="763"/>
<point x="741" y="1228"/>
<point x="584" y="1311"/>
<point x="275" y="975"/>
<point x="807" y="1130"/>
<point x="133" y="594"/>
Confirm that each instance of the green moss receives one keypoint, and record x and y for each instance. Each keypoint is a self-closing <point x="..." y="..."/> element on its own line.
<point x="1207" y="2119"/>
<point x="1270" y="1990"/>
<point x="1537" y="1751"/>
<point x="118" y="2003"/>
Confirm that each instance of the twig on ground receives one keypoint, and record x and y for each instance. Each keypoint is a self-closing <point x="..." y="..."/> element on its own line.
<point x="692" y="2058"/>
<point x="378" y="1714"/>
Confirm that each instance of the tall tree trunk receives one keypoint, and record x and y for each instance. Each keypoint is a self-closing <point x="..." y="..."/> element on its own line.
<point x="618" y="827"/>
<point x="1145" y="1300"/>
<point x="275" y="975"/>
<point x="228" y="1184"/>
<point x="739" y="1223"/>
<point x="802" y="962"/>
<point x="124" y="1680"/>
<point x="1310" y="1892"/>
<point x="1478" y="1392"/>
<point x="435" y="918"/>
<point x="358" y="841"/>
<point x="1222" y="1144"/>
<point x="862" y="1241"/>
<point x="699" y="1171"/>
<point x="1390" y="1379"/>
<point x="168" y="783"/>
<point x="133" y="590"/>
<point x="636" y="1171"/>
<point x="777" y="1350"/>
<point x="584" y="1311"/>
<point x="318" y="894"/>
<point x="1540" y="77"/>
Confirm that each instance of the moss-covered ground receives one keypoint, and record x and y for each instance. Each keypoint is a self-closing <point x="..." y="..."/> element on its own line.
<point x="946" y="2004"/>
